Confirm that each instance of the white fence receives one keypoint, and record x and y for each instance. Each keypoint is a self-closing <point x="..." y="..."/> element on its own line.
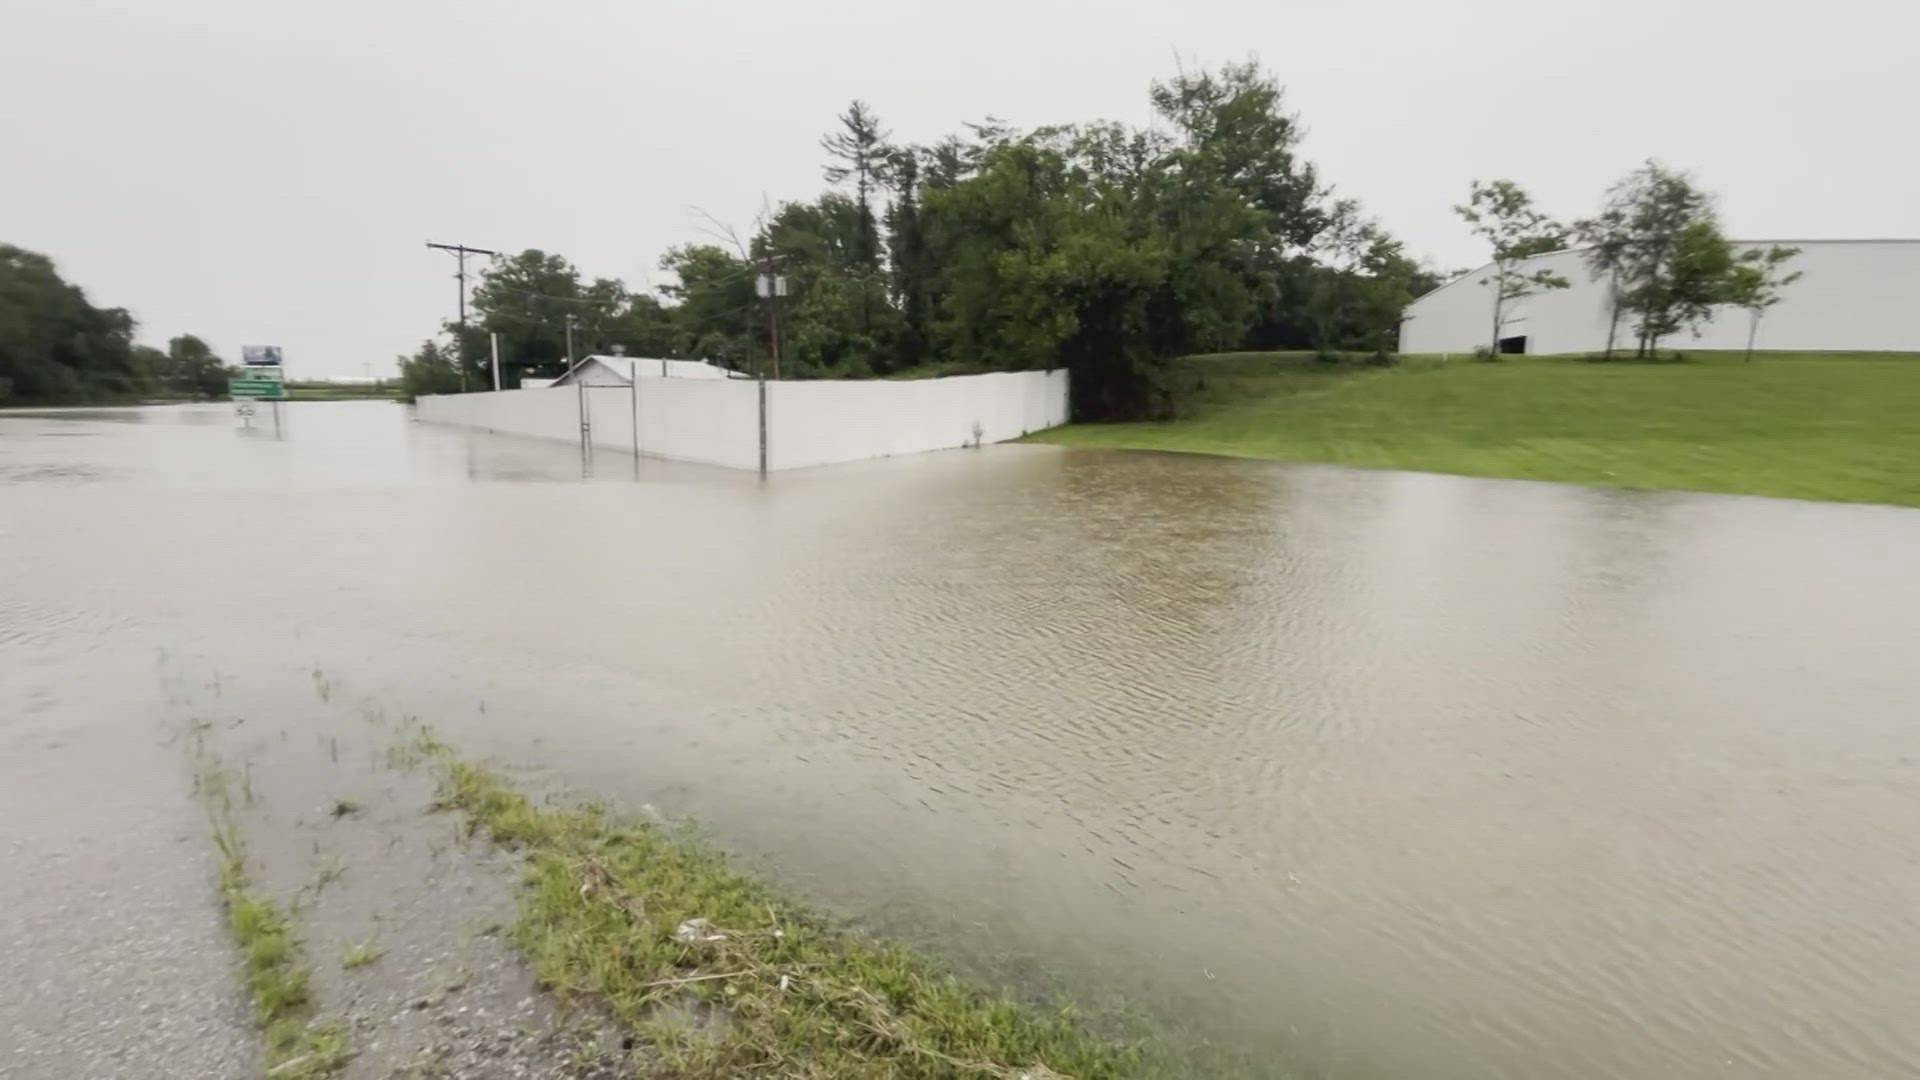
<point x="717" y="422"/>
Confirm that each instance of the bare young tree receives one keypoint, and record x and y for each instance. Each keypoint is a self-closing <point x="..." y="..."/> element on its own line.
<point x="1503" y="214"/>
<point x="1755" y="283"/>
<point x="1607" y="240"/>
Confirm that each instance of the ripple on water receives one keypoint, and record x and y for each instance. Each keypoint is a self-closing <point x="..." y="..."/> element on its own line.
<point x="1394" y="774"/>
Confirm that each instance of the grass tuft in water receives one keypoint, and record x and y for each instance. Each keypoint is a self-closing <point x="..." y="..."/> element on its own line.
<point x="725" y="978"/>
<point x="296" y="1046"/>
<point x="359" y="956"/>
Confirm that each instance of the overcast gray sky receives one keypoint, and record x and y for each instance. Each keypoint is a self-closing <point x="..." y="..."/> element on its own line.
<point x="263" y="172"/>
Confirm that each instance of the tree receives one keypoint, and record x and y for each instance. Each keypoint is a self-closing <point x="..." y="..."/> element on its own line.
<point x="432" y="369"/>
<point x="193" y="368"/>
<point x="152" y="369"/>
<point x="1608" y="240"/>
<point x="1110" y="250"/>
<point x="645" y="327"/>
<point x="914" y="274"/>
<point x="1698" y="270"/>
<point x="838" y="316"/>
<point x="1086" y="248"/>
<point x="946" y="162"/>
<point x="1048" y="263"/>
<point x="1361" y="285"/>
<point x="529" y="299"/>
<point x="54" y="344"/>
<point x="860" y="153"/>
<point x="1654" y="240"/>
<point x="1238" y="166"/>
<point x="975" y="230"/>
<point x="1503" y="214"/>
<point x="714" y="303"/>
<point x="1235" y="131"/>
<point x="1755" y="284"/>
<point x="821" y="324"/>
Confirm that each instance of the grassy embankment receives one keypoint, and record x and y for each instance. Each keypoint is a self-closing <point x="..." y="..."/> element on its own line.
<point x="723" y="977"/>
<point x="1836" y="426"/>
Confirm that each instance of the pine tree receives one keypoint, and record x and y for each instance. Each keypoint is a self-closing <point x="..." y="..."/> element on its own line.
<point x="860" y="153"/>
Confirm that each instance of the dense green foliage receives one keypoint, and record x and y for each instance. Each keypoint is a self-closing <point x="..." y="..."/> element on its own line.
<point x="431" y="370"/>
<point x="55" y="346"/>
<point x="1097" y="247"/>
<point x="1801" y="425"/>
<point x="528" y="300"/>
<point x="192" y="369"/>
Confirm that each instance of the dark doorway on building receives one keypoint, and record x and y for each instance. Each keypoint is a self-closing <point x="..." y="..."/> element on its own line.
<point x="1514" y="344"/>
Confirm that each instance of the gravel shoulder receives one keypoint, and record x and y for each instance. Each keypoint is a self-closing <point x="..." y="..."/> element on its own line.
<point x="402" y="918"/>
<point x="117" y="962"/>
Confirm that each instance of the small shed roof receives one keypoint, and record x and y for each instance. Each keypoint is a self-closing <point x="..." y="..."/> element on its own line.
<point x="623" y="368"/>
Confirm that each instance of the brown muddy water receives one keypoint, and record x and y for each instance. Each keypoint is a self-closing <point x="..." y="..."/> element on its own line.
<point x="1329" y="771"/>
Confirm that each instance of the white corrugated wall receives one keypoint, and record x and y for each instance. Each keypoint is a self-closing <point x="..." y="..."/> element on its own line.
<point x="716" y="422"/>
<point x="1853" y="295"/>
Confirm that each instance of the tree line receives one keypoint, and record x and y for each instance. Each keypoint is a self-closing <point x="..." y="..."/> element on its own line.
<point x="1101" y="248"/>
<point x="56" y="346"/>
<point x="1105" y="249"/>
<point x="1656" y="243"/>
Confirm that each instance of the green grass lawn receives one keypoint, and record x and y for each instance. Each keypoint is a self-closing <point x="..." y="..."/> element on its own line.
<point x="1839" y="426"/>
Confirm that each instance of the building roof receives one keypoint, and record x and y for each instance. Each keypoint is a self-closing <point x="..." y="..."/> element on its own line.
<point x="624" y="367"/>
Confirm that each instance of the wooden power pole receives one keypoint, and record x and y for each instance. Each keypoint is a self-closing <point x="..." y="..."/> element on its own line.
<point x="460" y="253"/>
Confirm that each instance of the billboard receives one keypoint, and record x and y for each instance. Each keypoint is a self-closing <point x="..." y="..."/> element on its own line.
<point x="260" y="355"/>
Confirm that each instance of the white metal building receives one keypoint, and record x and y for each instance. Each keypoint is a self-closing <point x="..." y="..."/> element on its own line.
<point x="600" y="370"/>
<point x="1852" y="295"/>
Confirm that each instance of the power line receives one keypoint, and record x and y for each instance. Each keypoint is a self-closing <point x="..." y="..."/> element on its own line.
<point x="562" y="299"/>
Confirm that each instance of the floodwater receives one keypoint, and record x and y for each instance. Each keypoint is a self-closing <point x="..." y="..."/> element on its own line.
<point x="1340" y="772"/>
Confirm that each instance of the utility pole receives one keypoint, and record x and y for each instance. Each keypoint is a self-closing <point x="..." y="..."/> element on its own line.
<point x="569" y="341"/>
<point x="773" y="321"/>
<point x="772" y="286"/>
<point x="460" y="253"/>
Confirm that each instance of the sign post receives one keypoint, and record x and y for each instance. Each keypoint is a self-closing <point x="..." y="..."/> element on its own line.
<point x="262" y="377"/>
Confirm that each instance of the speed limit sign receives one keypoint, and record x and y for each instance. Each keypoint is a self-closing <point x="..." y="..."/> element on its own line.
<point x="266" y="413"/>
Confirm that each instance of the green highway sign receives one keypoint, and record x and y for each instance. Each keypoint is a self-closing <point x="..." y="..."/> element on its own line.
<point x="257" y="383"/>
